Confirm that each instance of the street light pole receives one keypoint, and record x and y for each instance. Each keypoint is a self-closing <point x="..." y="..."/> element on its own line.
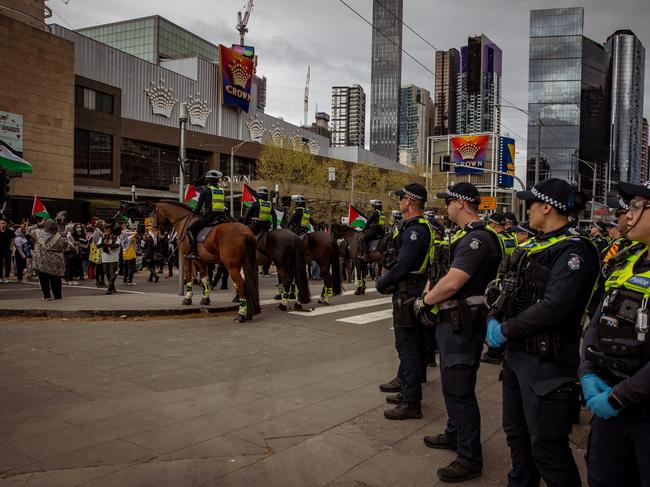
<point x="232" y="176"/>
<point x="181" y="183"/>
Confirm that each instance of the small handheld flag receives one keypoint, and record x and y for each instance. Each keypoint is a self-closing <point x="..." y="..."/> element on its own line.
<point x="191" y="197"/>
<point x="356" y="218"/>
<point x="248" y="195"/>
<point x="38" y="209"/>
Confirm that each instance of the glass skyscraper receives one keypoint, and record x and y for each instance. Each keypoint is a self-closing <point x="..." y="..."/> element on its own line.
<point x="415" y="123"/>
<point x="567" y="93"/>
<point x="386" y="77"/>
<point x="447" y="66"/>
<point x="627" y="56"/>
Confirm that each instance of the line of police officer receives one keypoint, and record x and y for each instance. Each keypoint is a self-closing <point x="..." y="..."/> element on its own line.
<point x="537" y="294"/>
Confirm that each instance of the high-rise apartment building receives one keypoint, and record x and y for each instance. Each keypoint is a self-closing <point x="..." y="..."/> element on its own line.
<point x="447" y="66"/>
<point x="348" y="123"/>
<point x="386" y="77"/>
<point x="567" y="96"/>
<point x="415" y="124"/>
<point x="479" y="86"/>
<point x="627" y="61"/>
<point x="645" y="151"/>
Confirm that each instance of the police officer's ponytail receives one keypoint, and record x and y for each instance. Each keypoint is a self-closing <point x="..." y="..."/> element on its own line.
<point x="576" y="202"/>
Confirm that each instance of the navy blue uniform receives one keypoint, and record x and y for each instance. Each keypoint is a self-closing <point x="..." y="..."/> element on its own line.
<point x="478" y="253"/>
<point x="543" y="327"/>
<point x="404" y="281"/>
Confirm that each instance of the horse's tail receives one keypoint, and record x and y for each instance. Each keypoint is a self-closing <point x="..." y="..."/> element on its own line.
<point x="336" y="269"/>
<point x="301" y="273"/>
<point x="250" y="275"/>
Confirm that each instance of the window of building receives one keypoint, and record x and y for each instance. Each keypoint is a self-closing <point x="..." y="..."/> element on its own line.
<point x="93" y="100"/>
<point x="93" y="155"/>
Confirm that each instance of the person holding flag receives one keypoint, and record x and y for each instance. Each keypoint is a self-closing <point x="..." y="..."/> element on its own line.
<point x="211" y="208"/>
<point x="374" y="228"/>
<point x="39" y="210"/>
<point x="260" y="216"/>
<point x="300" y="219"/>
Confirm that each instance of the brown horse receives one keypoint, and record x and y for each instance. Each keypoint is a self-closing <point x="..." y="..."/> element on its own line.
<point x="232" y="244"/>
<point x="322" y="248"/>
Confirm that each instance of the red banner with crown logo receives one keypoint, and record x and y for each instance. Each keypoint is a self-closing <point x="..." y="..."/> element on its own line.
<point x="470" y="152"/>
<point x="236" y="78"/>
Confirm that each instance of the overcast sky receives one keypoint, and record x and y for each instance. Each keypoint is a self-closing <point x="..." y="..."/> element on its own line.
<point x="289" y="35"/>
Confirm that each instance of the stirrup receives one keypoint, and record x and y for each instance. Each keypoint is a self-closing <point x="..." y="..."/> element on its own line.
<point x="192" y="256"/>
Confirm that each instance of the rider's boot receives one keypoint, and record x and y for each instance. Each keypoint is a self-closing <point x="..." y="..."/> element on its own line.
<point x="194" y="253"/>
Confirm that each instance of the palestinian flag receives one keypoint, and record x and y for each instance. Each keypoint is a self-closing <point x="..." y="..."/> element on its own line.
<point x="356" y="218"/>
<point x="38" y="209"/>
<point x="279" y="215"/>
<point x="11" y="162"/>
<point x="248" y="196"/>
<point x="191" y="197"/>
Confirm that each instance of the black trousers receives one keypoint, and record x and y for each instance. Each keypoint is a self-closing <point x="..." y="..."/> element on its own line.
<point x="459" y="361"/>
<point x="99" y="273"/>
<point x="619" y="449"/>
<point x="409" y="345"/>
<point x="5" y="263"/>
<point x="50" y="285"/>
<point x="537" y="418"/>
<point x="21" y="265"/>
<point x="129" y="270"/>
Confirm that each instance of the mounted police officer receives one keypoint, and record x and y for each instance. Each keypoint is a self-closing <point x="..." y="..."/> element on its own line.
<point x="300" y="219"/>
<point x="545" y="288"/>
<point x="211" y="209"/>
<point x="456" y="304"/>
<point x="261" y="217"/>
<point x="405" y="281"/>
<point x="397" y="218"/>
<point x="615" y="365"/>
<point x="374" y="228"/>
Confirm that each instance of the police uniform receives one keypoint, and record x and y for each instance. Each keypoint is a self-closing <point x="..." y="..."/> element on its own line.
<point x="615" y="371"/>
<point x="301" y="217"/>
<point x="374" y="228"/>
<point x="210" y="208"/>
<point x="406" y="280"/>
<point x="260" y="216"/>
<point x="601" y="241"/>
<point x="545" y="290"/>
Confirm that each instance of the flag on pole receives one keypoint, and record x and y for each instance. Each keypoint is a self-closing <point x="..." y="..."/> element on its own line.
<point x="191" y="197"/>
<point x="356" y="218"/>
<point x="12" y="162"/>
<point x="279" y="215"/>
<point x="248" y="195"/>
<point x="38" y="208"/>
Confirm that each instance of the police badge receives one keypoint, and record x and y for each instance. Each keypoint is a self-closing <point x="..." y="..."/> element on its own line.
<point x="475" y="244"/>
<point x="574" y="262"/>
<point x="413" y="236"/>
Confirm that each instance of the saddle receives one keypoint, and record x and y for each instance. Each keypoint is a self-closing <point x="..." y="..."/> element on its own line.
<point x="373" y="245"/>
<point x="204" y="232"/>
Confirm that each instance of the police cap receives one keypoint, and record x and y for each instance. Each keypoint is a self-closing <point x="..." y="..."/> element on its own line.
<point x="612" y="224"/>
<point x="618" y="204"/>
<point x="461" y="191"/>
<point x="498" y="218"/>
<point x="600" y="225"/>
<point x="630" y="190"/>
<point x="524" y="227"/>
<point x="415" y="191"/>
<point x="558" y="193"/>
<point x="511" y="217"/>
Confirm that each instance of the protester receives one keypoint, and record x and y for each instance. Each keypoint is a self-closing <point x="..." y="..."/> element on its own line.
<point x="151" y="254"/>
<point x="23" y="254"/>
<point x="111" y="246"/>
<point x="49" y="260"/>
<point x="6" y="249"/>
<point x="95" y="253"/>
<point x="128" y="239"/>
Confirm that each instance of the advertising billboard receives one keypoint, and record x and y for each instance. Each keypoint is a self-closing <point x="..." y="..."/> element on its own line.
<point x="11" y="131"/>
<point x="236" y="78"/>
<point x="470" y="151"/>
<point x="506" y="161"/>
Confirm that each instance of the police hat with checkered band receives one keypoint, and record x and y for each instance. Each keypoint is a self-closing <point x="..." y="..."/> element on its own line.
<point x="461" y="191"/>
<point x="511" y="218"/>
<point x="497" y="218"/>
<point x="618" y="204"/>
<point x="558" y="193"/>
<point x="630" y="190"/>
<point x="600" y="225"/>
<point x="415" y="191"/>
<point x="524" y="227"/>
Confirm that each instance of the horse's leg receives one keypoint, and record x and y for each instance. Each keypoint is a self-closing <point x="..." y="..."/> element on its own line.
<point x="238" y="281"/>
<point x="205" y="282"/>
<point x="327" y="292"/>
<point x="364" y="273"/>
<point x="280" y="288"/>
<point x="188" y="271"/>
<point x="285" y="285"/>
<point x="358" y="267"/>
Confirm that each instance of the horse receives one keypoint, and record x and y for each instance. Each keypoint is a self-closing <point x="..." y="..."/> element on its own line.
<point x="323" y="248"/>
<point x="232" y="244"/>
<point x="376" y="256"/>
<point x="285" y="249"/>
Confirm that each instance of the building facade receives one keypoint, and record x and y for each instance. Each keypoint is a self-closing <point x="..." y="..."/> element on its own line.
<point x="627" y="58"/>
<point x="478" y="87"/>
<point x="386" y="77"/>
<point x="645" y="151"/>
<point x="446" y="69"/>
<point x="567" y="100"/>
<point x="415" y="124"/>
<point x="348" y="123"/>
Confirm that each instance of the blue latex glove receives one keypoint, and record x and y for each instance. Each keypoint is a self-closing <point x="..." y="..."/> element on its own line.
<point x="494" y="337"/>
<point x="601" y="407"/>
<point x="592" y="385"/>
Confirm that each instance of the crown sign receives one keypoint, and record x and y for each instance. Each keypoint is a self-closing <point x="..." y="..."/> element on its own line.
<point x="313" y="146"/>
<point x="277" y="136"/>
<point x="297" y="142"/>
<point x="255" y="129"/>
<point x="468" y="151"/>
<point x="161" y="99"/>
<point x="240" y="74"/>
<point x="198" y="110"/>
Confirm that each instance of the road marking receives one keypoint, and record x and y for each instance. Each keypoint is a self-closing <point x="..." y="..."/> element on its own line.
<point x="326" y="310"/>
<point x="314" y="295"/>
<point x="368" y="317"/>
<point x="119" y="290"/>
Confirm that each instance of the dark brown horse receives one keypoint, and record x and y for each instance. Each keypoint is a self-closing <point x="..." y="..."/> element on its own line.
<point x="322" y="248"/>
<point x="232" y="244"/>
<point x="285" y="249"/>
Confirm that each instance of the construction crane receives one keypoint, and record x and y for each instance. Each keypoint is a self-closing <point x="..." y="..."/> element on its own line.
<point x="307" y="96"/>
<point x="242" y="20"/>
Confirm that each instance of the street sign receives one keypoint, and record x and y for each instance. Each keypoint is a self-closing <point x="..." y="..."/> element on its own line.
<point x="488" y="203"/>
<point x="331" y="174"/>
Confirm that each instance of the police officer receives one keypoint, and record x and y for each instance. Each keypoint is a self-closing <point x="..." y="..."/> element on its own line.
<point x="457" y="298"/>
<point x="523" y="232"/>
<point x="615" y="365"/>
<point x="300" y="219"/>
<point x="397" y="218"/>
<point x="405" y="281"/>
<point x="545" y="289"/>
<point x="260" y="217"/>
<point x="598" y="233"/>
<point x="211" y="209"/>
<point x="511" y="221"/>
<point x="374" y="228"/>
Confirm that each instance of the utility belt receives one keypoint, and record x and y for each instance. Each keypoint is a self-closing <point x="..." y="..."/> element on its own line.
<point x="617" y="366"/>
<point x="545" y="346"/>
<point x="464" y="314"/>
<point x="404" y="304"/>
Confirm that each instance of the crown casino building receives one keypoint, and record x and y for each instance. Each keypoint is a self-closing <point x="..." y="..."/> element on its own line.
<point x="108" y="119"/>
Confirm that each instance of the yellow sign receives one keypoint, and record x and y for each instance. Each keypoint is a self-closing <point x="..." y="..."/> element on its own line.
<point x="488" y="203"/>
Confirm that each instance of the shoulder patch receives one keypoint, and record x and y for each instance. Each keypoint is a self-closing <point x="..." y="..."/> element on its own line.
<point x="574" y="262"/>
<point x="474" y="244"/>
<point x="414" y="235"/>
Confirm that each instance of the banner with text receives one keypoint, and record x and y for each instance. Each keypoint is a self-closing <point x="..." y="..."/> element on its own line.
<point x="506" y="161"/>
<point x="236" y="78"/>
<point x="470" y="151"/>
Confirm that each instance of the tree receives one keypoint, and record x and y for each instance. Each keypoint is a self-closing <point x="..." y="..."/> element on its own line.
<point x="332" y="203"/>
<point x="290" y="169"/>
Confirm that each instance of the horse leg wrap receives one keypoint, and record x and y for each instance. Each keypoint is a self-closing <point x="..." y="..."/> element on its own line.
<point x="359" y="283"/>
<point x="206" y="286"/>
<point x="188" y="291"/>
<point x="243" y="307"/>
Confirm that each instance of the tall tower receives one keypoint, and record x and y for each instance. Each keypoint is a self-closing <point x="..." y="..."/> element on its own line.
<point x="627" y="56"/>
<point x="386" y="77"/>
<point x="348" y="116"/>
<point x="447" y="66"/>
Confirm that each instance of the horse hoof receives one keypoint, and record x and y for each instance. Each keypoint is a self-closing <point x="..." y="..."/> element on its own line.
<point x="282" y="307"/>
<point x="187" y="301"/>
<point x="235" y="299"/>
<point x="363" y="290"/>
<point x="321" y="301"/>
<point x="297" y="307"/>
<point x="277" y="296"/>
<point x="357" y="292"/>
<point x="240" y="318"/>
<point x="292" y="295"/>
<point x="205" y="301"/>
<point x="249" y="316"/>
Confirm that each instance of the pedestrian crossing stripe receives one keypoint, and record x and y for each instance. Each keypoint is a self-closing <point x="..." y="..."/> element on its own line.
<point x="368" y="317"/>
<point x="326" y="310"/>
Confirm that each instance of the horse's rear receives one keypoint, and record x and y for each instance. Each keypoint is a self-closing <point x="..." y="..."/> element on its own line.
<point x="322" y="247"/>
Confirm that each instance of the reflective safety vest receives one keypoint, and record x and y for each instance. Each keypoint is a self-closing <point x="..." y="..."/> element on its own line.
<point x="509" y="242"/>
<point x="304" y="221"/>
<point x="265" y="211"/>
<point x="218" y="198"/>
<point x="382" y="218"/>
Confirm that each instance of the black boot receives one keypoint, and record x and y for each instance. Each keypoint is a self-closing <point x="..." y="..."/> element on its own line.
<point x="457" y="472"/>
<point x="394" y="398"/>
<point x="404" y="411"/>
<point x="194" y="253"/>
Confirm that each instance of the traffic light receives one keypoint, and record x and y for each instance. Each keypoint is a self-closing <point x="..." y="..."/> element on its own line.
<point x="445" y="165"/>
